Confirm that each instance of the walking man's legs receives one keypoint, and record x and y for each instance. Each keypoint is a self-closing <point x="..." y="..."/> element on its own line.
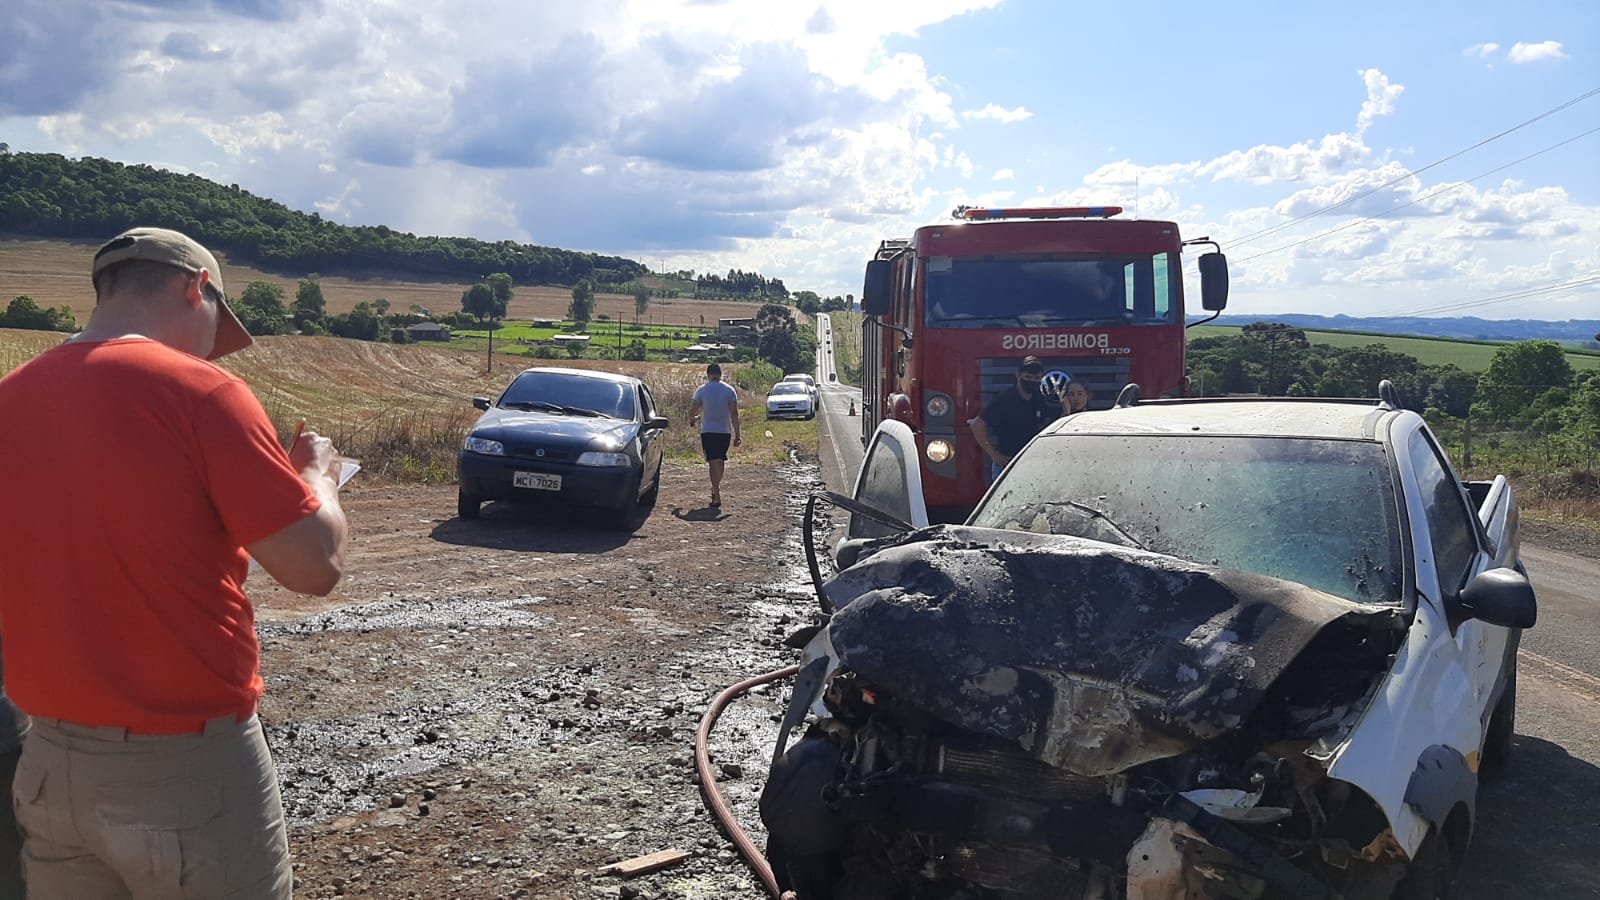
<point x="715" y="444"/>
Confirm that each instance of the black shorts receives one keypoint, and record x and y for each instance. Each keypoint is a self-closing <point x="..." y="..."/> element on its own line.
<point x="715" y="444"/>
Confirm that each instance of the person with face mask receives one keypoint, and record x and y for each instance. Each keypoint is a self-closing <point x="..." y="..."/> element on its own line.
<point x="1011" y="419"/>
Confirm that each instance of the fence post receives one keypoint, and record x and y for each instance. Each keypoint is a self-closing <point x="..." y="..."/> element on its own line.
<point x="1466" y="442"/>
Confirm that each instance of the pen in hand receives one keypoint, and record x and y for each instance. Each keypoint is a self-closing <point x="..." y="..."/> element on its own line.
<point x="296" y="438"/>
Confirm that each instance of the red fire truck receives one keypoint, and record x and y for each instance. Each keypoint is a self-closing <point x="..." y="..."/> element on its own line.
<point x="950" y="314"/>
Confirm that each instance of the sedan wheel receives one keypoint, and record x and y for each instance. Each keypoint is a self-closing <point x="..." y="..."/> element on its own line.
<point x="468" y="505"/>
<point x="632" y="513"/>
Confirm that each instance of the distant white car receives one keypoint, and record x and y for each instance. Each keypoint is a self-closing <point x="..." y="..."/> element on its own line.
<point x="792" y="399"/>
<point x="807" y="380"/>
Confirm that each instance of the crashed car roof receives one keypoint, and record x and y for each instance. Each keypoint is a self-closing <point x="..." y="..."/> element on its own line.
<point x="1274" y="417"/>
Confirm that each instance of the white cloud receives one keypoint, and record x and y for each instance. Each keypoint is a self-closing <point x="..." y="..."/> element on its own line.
<point x="787" y="138"/>
<point x="1381" y="97"/>
<point x="998" y="113"/>
<point x="1527" y="53"/>
<point x="1301" y="161"/>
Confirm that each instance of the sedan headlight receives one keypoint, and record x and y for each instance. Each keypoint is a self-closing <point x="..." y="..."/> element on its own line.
<point x="484" y="445"/>
<point x="601" y="458"/>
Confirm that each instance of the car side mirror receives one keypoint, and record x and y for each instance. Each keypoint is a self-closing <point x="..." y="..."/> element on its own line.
<point x="658" y="422"/>
<point x="1499" y="597"/>
<point x="482" y="402"/>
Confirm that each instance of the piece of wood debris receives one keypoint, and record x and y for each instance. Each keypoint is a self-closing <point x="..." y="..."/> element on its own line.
<point x="644" y="865"/>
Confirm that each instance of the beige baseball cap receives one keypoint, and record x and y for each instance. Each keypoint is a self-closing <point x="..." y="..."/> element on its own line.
<point x="174" y="248"/>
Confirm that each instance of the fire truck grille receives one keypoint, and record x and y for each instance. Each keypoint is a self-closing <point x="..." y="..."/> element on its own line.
<point x="1105" y="376"/>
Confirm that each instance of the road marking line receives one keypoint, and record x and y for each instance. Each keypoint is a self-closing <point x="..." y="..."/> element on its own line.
<point x="1576" y="679"/>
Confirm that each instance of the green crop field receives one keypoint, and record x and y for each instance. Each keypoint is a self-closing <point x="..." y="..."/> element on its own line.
<point x="1473" y="356"/>
<point x="601" y="334"/>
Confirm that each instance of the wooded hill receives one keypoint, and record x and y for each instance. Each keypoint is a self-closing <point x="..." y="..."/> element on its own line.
<point x="49" y="195"/>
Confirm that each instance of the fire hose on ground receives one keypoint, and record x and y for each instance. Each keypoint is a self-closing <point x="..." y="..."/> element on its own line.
<point x="718" y="805"/>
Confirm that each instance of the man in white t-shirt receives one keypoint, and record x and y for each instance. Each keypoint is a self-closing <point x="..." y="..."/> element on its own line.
<point x="716" y="409"/>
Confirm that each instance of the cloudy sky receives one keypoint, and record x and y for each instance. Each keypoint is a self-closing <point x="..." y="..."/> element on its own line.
<point x="1365" y="158"/>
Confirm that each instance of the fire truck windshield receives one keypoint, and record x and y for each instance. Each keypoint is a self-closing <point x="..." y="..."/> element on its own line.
<point x="1052" y="290"/>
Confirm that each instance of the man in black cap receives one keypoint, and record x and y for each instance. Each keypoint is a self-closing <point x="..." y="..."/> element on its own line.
<point x="1012" y="418"/>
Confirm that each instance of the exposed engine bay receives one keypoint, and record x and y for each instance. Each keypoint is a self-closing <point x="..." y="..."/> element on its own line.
<point x="996" y="714"/>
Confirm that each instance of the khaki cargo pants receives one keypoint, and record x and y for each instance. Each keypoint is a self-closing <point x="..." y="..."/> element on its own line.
<point x="150" y="817"/>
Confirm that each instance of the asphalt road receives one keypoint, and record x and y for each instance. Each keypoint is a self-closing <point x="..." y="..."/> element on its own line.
<point x="1538" y="824"/>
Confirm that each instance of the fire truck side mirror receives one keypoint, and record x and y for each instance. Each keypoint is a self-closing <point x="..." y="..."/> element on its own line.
<point x="1213" y="282"/>
<point x="875" y="292"/>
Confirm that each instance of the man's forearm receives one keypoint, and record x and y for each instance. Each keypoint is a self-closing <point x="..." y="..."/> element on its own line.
<point x="980" y="432"/>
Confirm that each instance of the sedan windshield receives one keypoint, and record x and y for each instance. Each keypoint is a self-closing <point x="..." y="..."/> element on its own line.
<point x="1319" y="512"/>
<point x="789" y="387"/>
<point x="570" y="395"/>
<point x="1031" y="291"/>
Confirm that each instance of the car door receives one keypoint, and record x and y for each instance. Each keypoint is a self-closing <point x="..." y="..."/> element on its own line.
<point x="1459" y="553"/>
<point x="650" y="439"/>
<point x="1415" y="748"/>
<point x="889" y="481"/>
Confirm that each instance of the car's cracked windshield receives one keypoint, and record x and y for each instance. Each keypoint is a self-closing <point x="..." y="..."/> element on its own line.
<point x="1296" y="509"/>
<point x="568" y="395"/>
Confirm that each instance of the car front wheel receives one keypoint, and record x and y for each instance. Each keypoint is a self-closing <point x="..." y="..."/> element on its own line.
<point x="468" y="505"/>
<point x="631" y="514"/>
<point x="1431" y="875"/>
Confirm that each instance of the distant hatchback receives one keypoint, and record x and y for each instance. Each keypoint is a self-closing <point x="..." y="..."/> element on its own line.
<point x="791" y="399"/>
<point x="568" y="437"/>
<point x="807" y="380"/>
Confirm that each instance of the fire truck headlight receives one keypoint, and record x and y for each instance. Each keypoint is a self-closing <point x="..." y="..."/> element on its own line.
<point x="938" y="406"/>
<point x="940" y="450"/>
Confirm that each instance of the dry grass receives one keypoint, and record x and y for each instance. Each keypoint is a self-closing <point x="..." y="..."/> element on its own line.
<point x="404" y="410"/>
<point x="56" y="273"/>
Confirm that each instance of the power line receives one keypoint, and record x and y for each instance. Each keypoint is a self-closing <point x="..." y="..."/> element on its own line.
<point x="1257" y="235"/>
<point x="1576" y="284"/>
<point x="1428" y="196"/>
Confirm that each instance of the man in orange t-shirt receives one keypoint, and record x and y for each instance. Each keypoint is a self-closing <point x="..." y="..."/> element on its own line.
<point x="137" y="475"/>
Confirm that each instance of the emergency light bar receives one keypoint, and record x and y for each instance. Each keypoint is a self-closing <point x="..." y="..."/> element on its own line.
<point x="1040" y="212"/>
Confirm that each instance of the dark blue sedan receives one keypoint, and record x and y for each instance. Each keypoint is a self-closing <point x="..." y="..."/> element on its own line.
<point x="568" y="437"/>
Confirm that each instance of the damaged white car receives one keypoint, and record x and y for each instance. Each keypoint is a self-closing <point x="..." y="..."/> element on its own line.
<point x="1182" y="649"/>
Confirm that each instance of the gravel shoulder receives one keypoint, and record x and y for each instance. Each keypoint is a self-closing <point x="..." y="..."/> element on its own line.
<point x="1578" y="540"/>
<point x="499" y="708"/>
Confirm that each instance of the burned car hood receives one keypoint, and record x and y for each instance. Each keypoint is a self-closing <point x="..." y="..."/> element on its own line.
<point x="1091" y="657"/>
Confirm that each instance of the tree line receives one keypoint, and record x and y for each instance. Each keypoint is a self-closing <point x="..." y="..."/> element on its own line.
<point x="1529" y="387"/>
<point x="50" y="195"/>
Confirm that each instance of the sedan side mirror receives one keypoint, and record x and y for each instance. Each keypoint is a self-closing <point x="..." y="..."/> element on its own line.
<point x="656" y="422"/>
<point x="482" y="402"/>
<point x="1499" y="597"/>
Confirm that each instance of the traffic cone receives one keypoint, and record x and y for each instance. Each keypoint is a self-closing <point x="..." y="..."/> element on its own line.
<point x="852" y="406"/>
